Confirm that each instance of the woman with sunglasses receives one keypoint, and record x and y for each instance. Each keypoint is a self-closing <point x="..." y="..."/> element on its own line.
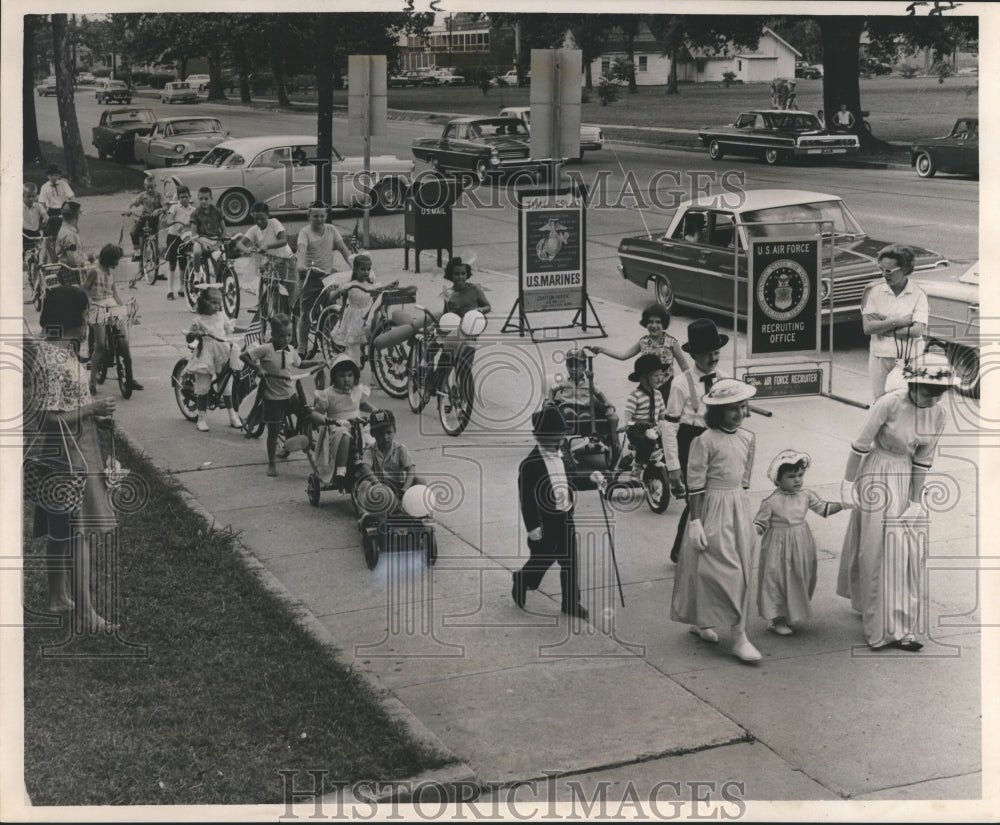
<point x="894" y="314"/>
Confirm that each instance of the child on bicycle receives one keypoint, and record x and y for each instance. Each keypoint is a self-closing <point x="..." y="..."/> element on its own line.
<point x="267" y="237"/>
<point x="352" y="329"/>
<point x="273" y="362"/>
<point x="333" y="407"/>
<point x="645" y="410"/>
<point x="210" y="328"/>
<point x="388" y="460"/>
<point x="208" y="225"/>
<point x="35" y="218"/>
<point x="178" y="222"/>
<point x="151" y="206"/>
<point x="573" y="397"/>
<point x="99" y="283"/>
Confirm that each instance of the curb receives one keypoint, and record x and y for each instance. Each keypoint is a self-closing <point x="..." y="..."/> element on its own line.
<point x="449" y="780"/>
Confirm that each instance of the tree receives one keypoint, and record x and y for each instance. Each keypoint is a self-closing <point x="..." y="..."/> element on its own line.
<point x="29" y="124"/>
<point x="590" y="32"/>
<point x="76" y="161"/>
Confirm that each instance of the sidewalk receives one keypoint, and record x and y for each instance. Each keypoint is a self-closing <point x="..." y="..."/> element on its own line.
<point x="630" y="703"/>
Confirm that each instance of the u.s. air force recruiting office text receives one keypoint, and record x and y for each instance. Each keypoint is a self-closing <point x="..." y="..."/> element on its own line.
<point x="783" y="304"/>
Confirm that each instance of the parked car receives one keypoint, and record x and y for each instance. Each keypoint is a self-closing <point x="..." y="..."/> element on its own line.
<point x="179" y="140"/>
<point x="479" y="145"/>
<point x="815" y="71"/>
<point x="958" y="151"/>
<point x="115" y="135"/>
<point x="692" y="263"/>
<point x="199" y="82"/>
<point x="179" y="91"/>
<point x="274" y="169"/>
<point x="876" y="67"/>
<point x="800" y="67"/>
<point x="448" y="79"/>
<point x="953" y="321"/>
<point x="112" y="91"/>
<point x="47" y="87"/>
<point x="775" y="135"/>
<point x="591" y="137"/>
<point x="398" y="81"/>
<point x="85" y="79"/>
<point x="510" y="79"/>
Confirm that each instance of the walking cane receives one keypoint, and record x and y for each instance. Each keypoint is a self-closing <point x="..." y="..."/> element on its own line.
<point x="611" y="541"/>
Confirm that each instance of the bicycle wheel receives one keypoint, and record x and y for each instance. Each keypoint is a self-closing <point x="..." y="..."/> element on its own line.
<point x="183" y="384"/>
<point x="389" y="365"/>
<point x="150" y="259"/>
<point x="323" y="328"/>
<point x="123" y="370"/>
<point x="189" y="277"/>
<point x="230" y="293"/>
<point x="655" y="485"/>
<point x="372" y="548"/>
<point x="455" y="400"/>
<point x="37" y="296"/>
<point x="32" y="273"/>
<point x="416" y="375"/>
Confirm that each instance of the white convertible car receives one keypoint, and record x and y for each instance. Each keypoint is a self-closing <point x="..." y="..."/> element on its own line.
<point x="275" y="169"/>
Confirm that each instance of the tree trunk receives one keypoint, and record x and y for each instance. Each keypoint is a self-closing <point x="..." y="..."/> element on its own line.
<point x="243" y="69"/>
<point x="841" y="38"/>
<point x="630" y="51"/>
<point x="76" y="161"/>
<point x="29" y="125"/>
<point x="277" y="70"/>
<point x="588" y="76"/>
<point x="324" y="104"/>
<point x="215" y="90"/>
<point x="672" y="77"/>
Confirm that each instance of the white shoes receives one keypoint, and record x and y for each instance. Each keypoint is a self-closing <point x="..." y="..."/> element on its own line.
<point x="780" y="626"/>
<point x="234" y="419"/>
<point x="706" y="634"/>
<point x="202" y="424"/>
<point x="743" y="649"/>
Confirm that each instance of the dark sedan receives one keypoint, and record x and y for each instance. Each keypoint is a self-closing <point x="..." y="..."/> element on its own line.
<point x="956" y="152"/>
<point x="115" y="135"/>
<point x="774" y="135"/>
<point x="693" y="262"/>
<point x="479" y="146"/>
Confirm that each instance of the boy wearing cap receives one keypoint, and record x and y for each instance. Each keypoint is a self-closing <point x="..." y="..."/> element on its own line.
<point x="151" y="206"/>
<point x="685" y="415"/>
<point x="644" y="408"/>
<point x="547" y="485"/>
<point x="572" y="395"/>
<point x="388" y="459"/>
<point x="52" y="195"/>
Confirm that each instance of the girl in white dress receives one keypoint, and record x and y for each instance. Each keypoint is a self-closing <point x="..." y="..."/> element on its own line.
<point x="351" y="331"/>
<point x="209" y="329"/>
<point x="712" y="586"/>
<point x="787" y="575"/>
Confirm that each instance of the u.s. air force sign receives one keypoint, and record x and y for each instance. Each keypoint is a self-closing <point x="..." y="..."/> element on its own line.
<point x="784" y="310"/>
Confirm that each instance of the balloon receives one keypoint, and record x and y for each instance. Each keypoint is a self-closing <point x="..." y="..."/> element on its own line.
<point x="473" y="323"/>
<point x="396" y="335"/>
<point x="418" y="501"/>
<point x="449" y="322"/>
<point x="375" y="498"/>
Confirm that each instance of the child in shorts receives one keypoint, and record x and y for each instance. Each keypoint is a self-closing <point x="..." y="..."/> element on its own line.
<point x="388" y="460"/>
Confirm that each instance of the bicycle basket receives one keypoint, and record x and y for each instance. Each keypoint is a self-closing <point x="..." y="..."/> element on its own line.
<point x="52" y="276"/>
<point x="404" y="295"/>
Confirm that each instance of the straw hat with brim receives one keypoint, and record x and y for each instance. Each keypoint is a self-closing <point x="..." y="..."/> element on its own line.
<point x="549" y="421"/>
<point x="787" y="457"/>
<point x="930" y="368"/>
<point x="703" y="337"/>
<point x="646" y="364"/>
<point x="728" y="391"/>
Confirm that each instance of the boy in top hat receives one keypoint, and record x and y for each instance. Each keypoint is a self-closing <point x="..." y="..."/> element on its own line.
<point x="685" y="416"/>
<point x="547" y="483"/>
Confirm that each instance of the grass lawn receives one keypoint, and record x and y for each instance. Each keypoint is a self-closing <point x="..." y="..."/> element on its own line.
<point x="106" y="177"/>
<point x="230" y="692"/>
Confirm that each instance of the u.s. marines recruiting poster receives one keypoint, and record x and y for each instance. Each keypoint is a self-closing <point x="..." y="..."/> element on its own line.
<point x="494" y="711"/>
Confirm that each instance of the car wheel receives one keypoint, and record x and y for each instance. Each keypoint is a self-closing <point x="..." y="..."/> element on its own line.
<point x="235" y="205"/>
<point x="389" y="197"/>
<point x="715" y="150"/>
<point x="771" y="157"/>
<point x="925" y="165"/>
<point x="481" y="170"/>
<point x="664" y="292"/>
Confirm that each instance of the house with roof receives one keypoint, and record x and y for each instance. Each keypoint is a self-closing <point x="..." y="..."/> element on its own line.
<point x="773" y="57"/>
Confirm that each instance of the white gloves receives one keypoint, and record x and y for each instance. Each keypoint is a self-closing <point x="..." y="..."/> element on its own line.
<point x="847" y="494"/>
<point x="914" y="512"/>
<point x="535" y="534"/>
<point x="697" y="534"/>
<point x="652" y="433"/>
<point x="599" y="479"/>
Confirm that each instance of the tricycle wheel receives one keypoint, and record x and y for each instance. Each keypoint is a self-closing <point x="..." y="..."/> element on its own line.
<point x="312" y="489"/>
<point x="371" y="548"/>
<point x="655" y="483"/>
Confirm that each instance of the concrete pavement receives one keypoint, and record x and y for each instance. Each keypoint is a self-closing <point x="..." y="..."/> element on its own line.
<point x="630" y="705"/>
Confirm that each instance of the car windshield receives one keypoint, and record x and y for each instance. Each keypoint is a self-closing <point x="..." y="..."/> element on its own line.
<point x="783" y="220"/>
<point x="795" y="122"/>
<point x="138" y="116"/>
<point x="499" y="127"/>
<point x="222" y="158"/>
<point x="116" y="84"/>
<point x="187" y="127"/>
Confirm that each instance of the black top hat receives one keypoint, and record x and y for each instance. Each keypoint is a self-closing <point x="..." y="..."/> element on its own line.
<point x="703" y="337"/>
<point x="549" y="421"/>
<point x="645" y="364"/>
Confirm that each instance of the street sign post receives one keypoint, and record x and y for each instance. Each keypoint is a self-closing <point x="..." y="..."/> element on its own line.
<point x="367" y="113"/>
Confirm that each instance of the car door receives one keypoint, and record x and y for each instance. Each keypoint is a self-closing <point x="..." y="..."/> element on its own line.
<point x="275" y="173"/>
<point x="453" y="154"/>
<point x="964" y="153"/>
<point x="144" y="142"/>
<point x="716" y="259"/>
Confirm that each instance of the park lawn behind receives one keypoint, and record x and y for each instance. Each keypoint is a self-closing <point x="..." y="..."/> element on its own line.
<point x="230" y="692"/>
<point x="106" y="176"/>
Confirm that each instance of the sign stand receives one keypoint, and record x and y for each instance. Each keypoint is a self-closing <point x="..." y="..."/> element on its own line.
<point x="786" y="293"/>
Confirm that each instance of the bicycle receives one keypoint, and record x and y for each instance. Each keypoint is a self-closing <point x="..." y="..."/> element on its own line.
<point x="32" y="265"/>
<point x="149" y="252"/>
<point x="53" y="275"/>
<point x="114" y="318"/>
<point x="273" y="297"/>
<point x="243" y="382"/>
<point x="449" y="378"/>
<point x="224" y="275"/>
<point x="389" y="364"/>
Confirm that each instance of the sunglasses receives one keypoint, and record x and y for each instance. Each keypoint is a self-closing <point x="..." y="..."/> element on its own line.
<point x="889" y="270"/>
